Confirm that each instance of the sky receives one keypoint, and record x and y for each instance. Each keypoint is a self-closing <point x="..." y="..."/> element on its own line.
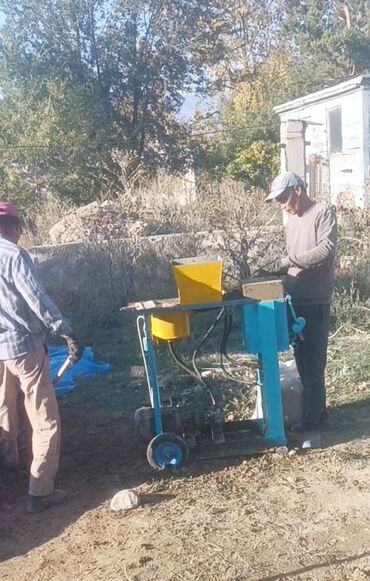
<point x="188" y="107"/>
<point x="190" y="104"/>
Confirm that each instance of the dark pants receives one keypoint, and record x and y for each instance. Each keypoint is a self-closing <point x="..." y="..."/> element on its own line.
<point x="310" y="356"/>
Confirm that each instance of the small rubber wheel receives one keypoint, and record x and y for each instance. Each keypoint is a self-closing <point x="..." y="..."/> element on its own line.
<point x="167" y="451"/>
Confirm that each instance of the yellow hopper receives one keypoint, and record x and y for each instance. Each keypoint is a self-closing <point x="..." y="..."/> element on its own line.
<point x="198" y="279"/>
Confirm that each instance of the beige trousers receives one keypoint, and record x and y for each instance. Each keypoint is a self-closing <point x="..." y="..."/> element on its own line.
<point x="29" y="376"/>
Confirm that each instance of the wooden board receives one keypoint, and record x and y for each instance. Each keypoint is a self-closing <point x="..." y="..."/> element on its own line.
<point x="146" y="305"/>
<point x="262" y="289"/>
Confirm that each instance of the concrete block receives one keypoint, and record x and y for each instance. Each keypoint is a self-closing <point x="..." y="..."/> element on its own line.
<point x="263" y="290"/>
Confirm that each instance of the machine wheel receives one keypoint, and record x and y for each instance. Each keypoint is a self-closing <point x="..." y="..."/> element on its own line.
<point x="167" y="451"/>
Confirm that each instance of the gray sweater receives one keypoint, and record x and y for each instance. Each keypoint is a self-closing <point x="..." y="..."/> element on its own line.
<point x="311" y="242"/>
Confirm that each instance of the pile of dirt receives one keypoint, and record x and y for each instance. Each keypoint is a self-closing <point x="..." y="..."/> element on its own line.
<point x="96" y="223"/>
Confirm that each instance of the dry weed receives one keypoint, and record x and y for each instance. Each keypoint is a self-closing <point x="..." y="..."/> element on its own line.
<point x="39" y="218"/>
<point x="251" y="234"/>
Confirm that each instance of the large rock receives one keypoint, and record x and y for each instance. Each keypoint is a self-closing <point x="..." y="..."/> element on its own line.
<point x="95" y="223"/>
<point x="125" y="500"/>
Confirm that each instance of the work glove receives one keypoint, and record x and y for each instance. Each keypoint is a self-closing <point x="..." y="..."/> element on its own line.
<point x="75" y="349"/>
<point x="285" y="263"/>
<point x="270" y="273"/>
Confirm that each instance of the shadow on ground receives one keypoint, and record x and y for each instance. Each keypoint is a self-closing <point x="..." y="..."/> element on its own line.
<point x="349" y="421"/>
<point x="316" y="567"/>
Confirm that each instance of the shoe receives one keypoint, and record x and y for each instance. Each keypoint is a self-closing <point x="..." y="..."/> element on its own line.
<point x="40" y="503"/>
<point x="311" y="439"/>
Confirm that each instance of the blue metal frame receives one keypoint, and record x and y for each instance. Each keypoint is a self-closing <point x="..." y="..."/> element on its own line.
<point x="151" y="372"/>
<point x="265" y="333"/>
<point x="271" y="392"/>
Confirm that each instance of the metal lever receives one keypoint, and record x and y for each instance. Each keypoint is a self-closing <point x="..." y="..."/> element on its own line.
<point x="66" y="365"/>
<point x="298" y="322"/>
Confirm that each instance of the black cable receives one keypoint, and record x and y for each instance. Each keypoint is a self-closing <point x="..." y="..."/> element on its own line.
<point x="200" y="378"/>
<point x="180" y="362"/>
<point x="210" y="329"/>
<point x="197" y="349"/>
<point x="126" y="140"/>
<point x="194" y="371"/>
<point x="231" y="376"/>
<point x="223" y="352"/>
<point x="225" y="337"/>
<point x="190" y="371"/>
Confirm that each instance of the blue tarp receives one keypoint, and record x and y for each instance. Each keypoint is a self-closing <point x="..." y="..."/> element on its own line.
<point x="85" y="367"/>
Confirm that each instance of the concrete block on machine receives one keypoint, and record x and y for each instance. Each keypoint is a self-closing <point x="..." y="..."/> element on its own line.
<point x="262" y="289"/>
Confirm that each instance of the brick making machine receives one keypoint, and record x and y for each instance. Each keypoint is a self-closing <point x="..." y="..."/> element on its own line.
<point x="269" y="326"/>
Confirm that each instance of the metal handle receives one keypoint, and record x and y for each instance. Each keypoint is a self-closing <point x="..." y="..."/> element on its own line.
<point x="66" y="365"/>
<point x="297" y="325"/>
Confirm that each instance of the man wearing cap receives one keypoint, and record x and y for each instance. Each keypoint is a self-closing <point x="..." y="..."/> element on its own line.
<point x="26" y="312"/>
<point x="311" y="237"/>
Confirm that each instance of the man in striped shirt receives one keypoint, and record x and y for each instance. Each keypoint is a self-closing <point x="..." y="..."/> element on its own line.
<point x="26" y="313"/>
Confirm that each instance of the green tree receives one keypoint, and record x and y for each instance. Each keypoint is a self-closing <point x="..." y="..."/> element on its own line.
<point x="332" y="37"/>
<point x="255" y="164"/>
<point x="80" y="78"/>
<point x="55" y="113"/>
<point x="277" y="52"/>
<point x="51" y="143"/>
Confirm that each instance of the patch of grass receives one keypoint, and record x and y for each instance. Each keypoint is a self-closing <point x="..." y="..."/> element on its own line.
<point x="116" y="393"/>
<point x="348" y="370"/>
<point x="351" y="301"/>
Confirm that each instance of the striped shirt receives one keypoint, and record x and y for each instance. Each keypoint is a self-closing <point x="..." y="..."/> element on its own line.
<point x="26" y="312"/>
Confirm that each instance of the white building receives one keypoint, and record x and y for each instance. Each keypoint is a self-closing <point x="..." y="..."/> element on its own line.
<point x="325" y="139"/>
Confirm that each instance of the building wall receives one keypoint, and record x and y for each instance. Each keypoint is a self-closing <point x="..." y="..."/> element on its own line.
<point x="345" y="174"/>
<point x="366" y="146"/>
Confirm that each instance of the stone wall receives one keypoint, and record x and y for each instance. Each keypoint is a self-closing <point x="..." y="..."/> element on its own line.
<point x="91" y="282"/>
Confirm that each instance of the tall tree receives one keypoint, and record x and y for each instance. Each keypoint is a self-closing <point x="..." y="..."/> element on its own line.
<point x="243" y="137"/>
<point x="282" y="50"/>
<point x="331" y="38"/>
<point x="79" y="78"/>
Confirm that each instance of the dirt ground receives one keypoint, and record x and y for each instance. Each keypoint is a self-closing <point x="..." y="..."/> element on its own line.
<point x="278" y="516"/>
